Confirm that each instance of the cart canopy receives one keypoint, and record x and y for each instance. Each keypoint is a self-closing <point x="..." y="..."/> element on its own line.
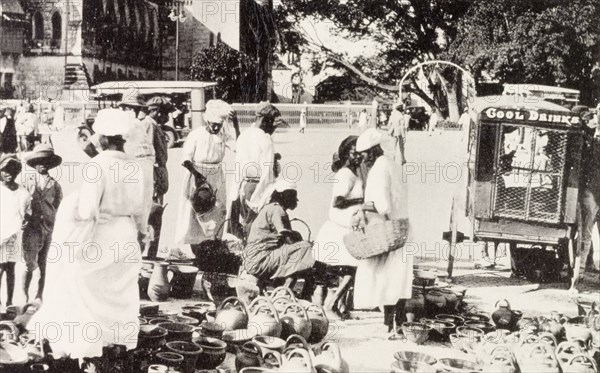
<point x="515" y="102"/>
<point x="146" y="87"/>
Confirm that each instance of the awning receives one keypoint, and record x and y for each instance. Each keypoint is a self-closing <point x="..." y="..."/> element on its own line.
<point x="10" y="6"/>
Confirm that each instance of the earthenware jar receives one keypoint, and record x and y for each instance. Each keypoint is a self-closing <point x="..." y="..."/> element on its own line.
<point x="264" y="316"/>
<point x="553" y="327"/>
<point x="329" y="359"/>
<point x="184" y="279"/>
<point x="247" y="356"/>
<point x="319" y="323"/>
<point x="170" y="359"/>
<point x="416" y="305"/>
<point x="294" y="320"/>
<point x="503" y="316"/>
<point x="581" y="363"/>
<point x="213" y="352"/>
<point x="297" y="361"/>
<point x="232" y="314"/>
<point x="501" y="361"/>
<point x="189" y="351"/>
<point x="435" y="301"/>
<point x="577" y="332"/>
<point x="528" y="323"/>
<point x="159" y="287"/>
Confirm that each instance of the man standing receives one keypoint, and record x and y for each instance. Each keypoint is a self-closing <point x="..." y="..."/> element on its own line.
<point x="397" y="129"/>
<point x="27" y="128"/>
<point x="158" y="114"/>
<point x="255" y="157"/>
<point x="8" y="133"/>
<point x="589" y="195"/>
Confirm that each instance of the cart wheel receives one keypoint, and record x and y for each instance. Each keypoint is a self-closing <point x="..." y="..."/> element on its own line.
<point x="453" y="236"/>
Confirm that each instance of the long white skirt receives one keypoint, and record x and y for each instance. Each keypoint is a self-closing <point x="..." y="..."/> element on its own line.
<point x="383" y="280"/>
<point x="329" y="246"/>
<point x="92" y="297"/>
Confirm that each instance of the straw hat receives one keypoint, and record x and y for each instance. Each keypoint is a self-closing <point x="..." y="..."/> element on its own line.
<point x="43" y="154"/>
<point x="10" y="163"/>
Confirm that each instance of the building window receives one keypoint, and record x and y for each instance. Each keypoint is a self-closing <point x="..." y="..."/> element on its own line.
<point x="56" y="29"/>
<point x="38" y="26"/>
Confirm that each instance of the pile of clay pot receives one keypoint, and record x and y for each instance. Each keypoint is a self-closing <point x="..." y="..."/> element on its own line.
<point x="273" y="333"/>
<point x="513" y="343"/>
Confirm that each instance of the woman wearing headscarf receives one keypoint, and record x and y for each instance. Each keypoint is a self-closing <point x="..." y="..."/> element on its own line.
<point x="384" y="280"/>
<point x="347" y="199"/>
<point x="203" y="153"/>
<point x="274" y="250"/>
<point x="92" y="298"/>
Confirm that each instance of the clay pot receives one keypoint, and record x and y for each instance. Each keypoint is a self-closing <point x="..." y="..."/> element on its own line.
<point x="159" y="286"/>
<point x="577" y="332"/>
<point x="456" y="320"/>
<point x="500" y="363"/>
<point x="451" y="300"/>
<point x="458" y="365"/>
<point x="319" y="323"/>
<point x="178" y="331"/>
<point x="416" y="357"/>
<point x="580" y="363"/>
<point x="189" y="351"/>
<point x="212" y="330"/>
<point x="416" y="305"/>
<point x="553" y="327"/>
<point x="183" y="281"/>
<point x="416" y="332"/>
<point x="567" y="350"/>
<point x="296" y="361"/>
<point x="476" y="317"/>
<point x="169" y="359"/>
<point x="283" y="291"/>
<point x="281" y="302"/>
<point x="264" y="316"/>
<point x="435" y="301"/>
<point x="441" y="330"/>
<point x="212" y="354"/>
<point x="152" y="337"/>
<point x="294" y="320"/>
<point x="528" y="323"/>
<point x="405" y="366"/>
<point x="248" y="356"/>
<point x="232" y="314"/>
<point x="329" y="359"/>
<point x="269" y="344"/>
<point x="471" y="332"/>
<point x="485" y="326"/>
<point x="503" y="317"/>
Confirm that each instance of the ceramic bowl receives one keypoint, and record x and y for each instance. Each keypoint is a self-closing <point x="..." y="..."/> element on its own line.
<point x="213" y="352"/>
<point x="475" y="334"/>
<point x="178" y="331"/>
<point x="157" y="320"/>
<point x="459" y="365"/>
<point x="151" y="336"/>
<point x="405" y="366"/>
<point x="269" y="344"/>
<point x="441" y="330"/>
<point x="476" y="317"/>
<point x="414" y="356"/>
<point x="456" y="320"/>
<point x="485" y="326"/>
<point x="211" y="329"/>
<point x="416" y="332"/>
<point x="185" y="320"/>
<point x="170" y="359"/>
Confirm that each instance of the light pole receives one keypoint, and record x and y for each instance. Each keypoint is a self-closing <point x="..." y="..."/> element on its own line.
<point x="177" y="15"/>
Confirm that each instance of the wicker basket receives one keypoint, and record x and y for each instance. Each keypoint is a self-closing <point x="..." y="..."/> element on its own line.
<point x="377" y="239"/>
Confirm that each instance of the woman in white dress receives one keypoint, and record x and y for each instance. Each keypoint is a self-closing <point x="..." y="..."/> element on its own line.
<point x="92" y="296"/>
<point x="203" y="153"/>
<point x="384" y="280"/>
<point x="347" y="199"/>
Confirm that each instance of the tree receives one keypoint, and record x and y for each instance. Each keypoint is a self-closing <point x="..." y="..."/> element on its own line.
<point x="545" y="42"/>
<point x="223" y="65"/>
<point x="406" y="32"/>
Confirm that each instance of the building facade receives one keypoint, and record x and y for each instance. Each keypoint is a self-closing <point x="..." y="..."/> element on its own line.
<point x="12" y="23"/>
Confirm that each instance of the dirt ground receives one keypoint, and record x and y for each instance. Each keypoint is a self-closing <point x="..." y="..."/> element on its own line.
<point x="432" y="181"/>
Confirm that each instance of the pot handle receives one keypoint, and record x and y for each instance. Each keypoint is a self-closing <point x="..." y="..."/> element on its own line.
<point x="583" y="358"/>
<point x="542" y="348"/>
<point x="568" y="346"/>
<point x="257" y="300"/>
<point x="284" y="289"/>
<point x="319" y="309"/>
<point x="251" y="346"/>
<point x="502" y="300"/>
<point x="270" y="307"/>
<point x="298" y="338"/>
<point x="302" y="310"/>
<point x="305" y="356"/>
<point x="548" y="337"/>
<point x="232" y="299"/>
<point x="530" y="338"/>
<point x="500" y="349"/>
<point x="274" y="354"/>
<point x="335" y="352"/>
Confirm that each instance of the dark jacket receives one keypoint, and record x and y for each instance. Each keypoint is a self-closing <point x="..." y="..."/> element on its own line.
<point x="8" y="138"/>
<point x="590" y="162"/>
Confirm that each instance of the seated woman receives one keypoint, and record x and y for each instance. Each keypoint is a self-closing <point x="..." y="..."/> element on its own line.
<point x="347" y="199"/>
<point x="274" y="250"/>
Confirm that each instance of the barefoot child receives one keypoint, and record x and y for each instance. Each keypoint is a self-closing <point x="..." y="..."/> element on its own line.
<point x="14" y="207"/>
<point x="46" y="194"/>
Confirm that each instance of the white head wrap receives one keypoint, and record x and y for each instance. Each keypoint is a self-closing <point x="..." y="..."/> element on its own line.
<point x="112" y="122"/>
<point x="217" y="111"/>
<point x="368" y="139"/>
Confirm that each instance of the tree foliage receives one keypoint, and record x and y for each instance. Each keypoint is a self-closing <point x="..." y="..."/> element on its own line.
<point x="228" y="68"/>
<point x="545" y="42"/>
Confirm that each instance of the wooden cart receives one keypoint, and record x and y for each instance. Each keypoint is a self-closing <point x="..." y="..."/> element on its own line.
<point x="522" y="187"/>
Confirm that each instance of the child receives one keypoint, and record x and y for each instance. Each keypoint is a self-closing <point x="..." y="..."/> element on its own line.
<point x="46" y="194"/>
<point x="14" y="209"/>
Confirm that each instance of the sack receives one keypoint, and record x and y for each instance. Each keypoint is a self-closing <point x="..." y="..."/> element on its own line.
<point x="377" y="238"/>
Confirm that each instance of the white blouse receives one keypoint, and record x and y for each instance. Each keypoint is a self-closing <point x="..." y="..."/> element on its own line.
<point x="204" y="147"/>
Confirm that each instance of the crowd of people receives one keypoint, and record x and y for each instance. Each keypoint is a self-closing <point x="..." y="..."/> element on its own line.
<point x="110" y="219"/>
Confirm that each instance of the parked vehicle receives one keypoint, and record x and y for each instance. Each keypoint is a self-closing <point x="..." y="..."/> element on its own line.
<point x="187" y="95"/>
